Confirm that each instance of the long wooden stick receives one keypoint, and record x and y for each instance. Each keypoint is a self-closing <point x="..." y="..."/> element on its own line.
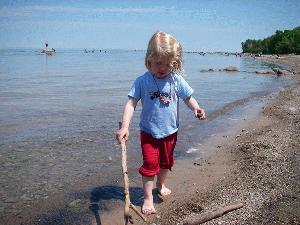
<point x="128" y="204"/>
<point x="204" y="217"/>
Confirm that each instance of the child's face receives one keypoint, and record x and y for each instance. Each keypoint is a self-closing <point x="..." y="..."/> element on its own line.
<point x="160" y="67"/>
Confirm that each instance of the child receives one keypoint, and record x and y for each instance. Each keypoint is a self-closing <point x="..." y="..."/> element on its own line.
<point x="159" y="90"/>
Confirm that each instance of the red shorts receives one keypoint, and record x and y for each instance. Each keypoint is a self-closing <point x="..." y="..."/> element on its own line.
<point x="157" y="153"/>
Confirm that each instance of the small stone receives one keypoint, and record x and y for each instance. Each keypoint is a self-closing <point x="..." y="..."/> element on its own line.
<point x="18" y="212"/>
<point x="10" y="200"/>
<point x="75" y="203"/>
<point x="88" y="140"/>
<point x="25" y="198"/>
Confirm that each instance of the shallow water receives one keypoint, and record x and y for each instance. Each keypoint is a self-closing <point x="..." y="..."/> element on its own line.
<point x="59" y="114"/>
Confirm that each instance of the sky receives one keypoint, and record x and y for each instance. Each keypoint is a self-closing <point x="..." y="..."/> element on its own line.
<point x="203" y="25"/>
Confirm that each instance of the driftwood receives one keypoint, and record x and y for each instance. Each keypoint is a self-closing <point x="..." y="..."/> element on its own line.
<point x="128" y="204"/>
<point x="201" y="218"/>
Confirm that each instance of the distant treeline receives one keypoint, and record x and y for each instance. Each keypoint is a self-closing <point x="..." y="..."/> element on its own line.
<point x="282" y="42"/>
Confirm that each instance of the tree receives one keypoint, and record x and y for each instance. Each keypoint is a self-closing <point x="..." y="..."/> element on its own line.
<point x="282" y="42"/>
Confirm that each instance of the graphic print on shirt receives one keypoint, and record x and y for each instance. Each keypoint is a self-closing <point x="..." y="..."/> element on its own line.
<point x="164" y="97"/>
<point x="154" y="94"/>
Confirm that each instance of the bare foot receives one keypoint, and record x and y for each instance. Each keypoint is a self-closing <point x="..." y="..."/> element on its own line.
<point x="148" y="207"/>
<point x="163" y="190"/>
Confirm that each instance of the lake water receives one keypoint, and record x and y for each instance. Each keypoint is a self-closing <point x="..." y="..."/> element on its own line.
<point x="59" y="114"/>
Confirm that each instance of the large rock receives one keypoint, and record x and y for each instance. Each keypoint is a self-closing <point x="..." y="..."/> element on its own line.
<point x="207" y="70"/>
<point x="227" y="69"/>
<point x="265" y="72"/>
<point x="231" y="69"/>
<point x="280" y="72"/>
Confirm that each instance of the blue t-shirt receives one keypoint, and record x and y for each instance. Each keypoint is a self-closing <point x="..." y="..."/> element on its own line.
<point x="157" y="118"/>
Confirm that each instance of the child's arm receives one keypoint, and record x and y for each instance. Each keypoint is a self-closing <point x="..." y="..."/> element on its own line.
<point x="127" y="115"/>
<point x="193" y="105"/>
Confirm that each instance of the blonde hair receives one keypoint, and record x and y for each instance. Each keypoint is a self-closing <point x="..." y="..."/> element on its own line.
<point x="163" y="45"/>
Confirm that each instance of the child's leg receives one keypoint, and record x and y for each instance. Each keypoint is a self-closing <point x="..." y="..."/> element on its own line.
<point x="148" y="206"/>
<point x="160" y="183"/>
<point x="166" y="155"/>
<point x="148" y="170"/>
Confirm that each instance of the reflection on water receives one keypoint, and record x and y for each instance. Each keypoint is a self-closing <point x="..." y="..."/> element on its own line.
<point x="59" y="114"/>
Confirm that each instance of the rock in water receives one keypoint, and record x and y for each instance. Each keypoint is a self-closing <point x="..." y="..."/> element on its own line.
<point x="231" y="69"/>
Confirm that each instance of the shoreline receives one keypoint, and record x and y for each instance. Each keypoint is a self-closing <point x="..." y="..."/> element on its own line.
<point x="195" y="183"/>
<point x="258" y="167"/>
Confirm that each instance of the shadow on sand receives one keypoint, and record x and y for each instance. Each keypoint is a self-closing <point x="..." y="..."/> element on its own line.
<point x="98" y="199"/>
<point x="100" y="194"/>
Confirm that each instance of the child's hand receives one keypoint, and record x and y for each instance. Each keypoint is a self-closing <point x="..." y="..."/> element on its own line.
<point x="123" y="133"/>
<point x="199" y="113"/>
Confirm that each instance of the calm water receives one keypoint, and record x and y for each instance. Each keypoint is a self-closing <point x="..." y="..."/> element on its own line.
<point x="73" y="92"/>
<point x="59" y="114"/>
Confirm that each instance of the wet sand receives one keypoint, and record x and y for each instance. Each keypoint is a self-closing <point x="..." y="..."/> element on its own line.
<point x="256" y="163"/>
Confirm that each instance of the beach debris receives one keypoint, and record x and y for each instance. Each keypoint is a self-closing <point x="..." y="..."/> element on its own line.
<point x="209" y="215"/>
<point x="190" y="150"/>
<point x="128" y="204"/>
<point x="75" y="203"/>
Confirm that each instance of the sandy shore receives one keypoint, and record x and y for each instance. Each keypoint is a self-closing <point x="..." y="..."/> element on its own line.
<point x="257" y="164"/>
